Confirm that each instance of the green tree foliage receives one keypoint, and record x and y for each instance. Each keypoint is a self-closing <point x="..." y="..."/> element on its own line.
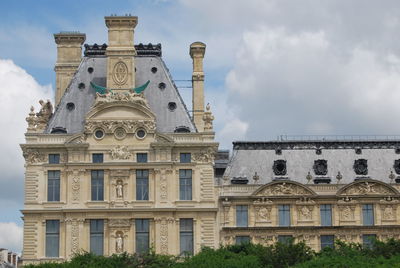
<point x="298" y="255"/>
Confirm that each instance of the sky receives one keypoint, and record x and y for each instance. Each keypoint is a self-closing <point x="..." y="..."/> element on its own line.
<point x="273" y="67"/>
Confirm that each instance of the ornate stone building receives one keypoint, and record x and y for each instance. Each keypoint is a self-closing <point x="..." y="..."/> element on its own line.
<point x="119" y="165"/>
<point x="311" y="190"/>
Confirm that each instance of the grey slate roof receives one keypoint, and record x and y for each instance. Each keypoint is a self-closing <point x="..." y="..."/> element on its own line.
<point x="83" y="99"/>
<point x="251" y="157"/>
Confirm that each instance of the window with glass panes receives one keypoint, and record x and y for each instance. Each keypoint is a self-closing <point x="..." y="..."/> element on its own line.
<point x="242" y="215"/>
<point x="327" y="241"/>
<point x="186" y="236"/>
<point x="141" y="157"/>
<point x="326" y="215"/>
<point x="54" y="158"/>
<point x="142" y="184"/>
<point x="285" y="239"/>
<point x="186" y="158"/>
<point x="284" y="215"/>
<point x="368" y="214"/>
<point x="97" y="185"/>
<point x="243" y="239"/>
<point x="52" y="238"/>
<point x="53" y="185"/>
<point x="142" y="235"/>
<point x="368" y="240"/>
<point x="97" y="158"/>
<point x="97" y="237"/>
<point x="185" y="184"/>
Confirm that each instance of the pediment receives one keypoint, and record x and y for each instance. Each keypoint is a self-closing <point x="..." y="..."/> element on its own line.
<point x="283" y="188"/>
<point x="368" y="187"/>
<point x="120" y="111"/>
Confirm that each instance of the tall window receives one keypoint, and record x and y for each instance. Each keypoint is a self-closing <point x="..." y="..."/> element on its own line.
<point x="186" y="158"/>
<point x="54" y="158"/>
<point x="327" y="241"/>
<point x="285" y="239"/>
<point x="142" y="184"/>
<point x="52" y="238"/>
<point x="142" y="235"/>
<point x="141" y="157"/>
<point x="186" y="236"/>
<point x="242" y="216"/>
<point x="368" y="240"/>
<point x="53" y="185"/>
<point x="97" y="158"/>
<point x="326" y="215"/>
<point x="242" y="239"/>
<point x="284" y="215"/>
<point x="368" y="214"/>
<point x="185" y="184"/>
<point x="97" y="185"/>
<point x="97" y="237"/>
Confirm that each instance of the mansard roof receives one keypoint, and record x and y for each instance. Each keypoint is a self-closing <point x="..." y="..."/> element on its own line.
<point x="159" y="94"/>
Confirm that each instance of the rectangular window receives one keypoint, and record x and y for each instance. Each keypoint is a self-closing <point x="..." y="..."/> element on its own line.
<point x="186" y="157"/>
<point x="52" y="238"/>
<point x="141" y="157"/>
<point x="284" y="215"/>
<point x="54" y="158"/>
<point x="186" y="236"/>
<point x="285" y="239"/>
<point x="242" y="216"/>
<point x="326" y="215"/>
<point x="97" y="158"/>
<point x="368" y="214"/>
<point x="53" y="185"/>
<point x="142" y="184"/>
<point x="327" y="241"/>
<point x="185" y="184"/>
<point x="97" y="185"/>
<point x="242" y="240"/>
<point x="142" y="235"/>
<point x="368" y="240"/>
<point x="97" y="237"/>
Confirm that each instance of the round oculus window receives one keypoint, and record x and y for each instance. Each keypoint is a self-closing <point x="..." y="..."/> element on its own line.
<point x="120" y="133"/>
<point x="99" y="134"/>
<point x="140" y="133"/>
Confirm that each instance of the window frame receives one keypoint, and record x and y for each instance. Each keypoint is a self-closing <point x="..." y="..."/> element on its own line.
<point x="142" y="160"/>
<point x="368" y="215"/>
<point x="242" y="215"/>
<point x="96" y="234"/>
<point x="185" y="158"/>
<point x="284" y="208"/>
<point x="186" y="234"/>
<point x="143" y="233"/>
<point x="49" y="235"/>
<point x="54" y="159"/>
<point x="325" y="244"/>
<point x="185" y="184"/>
<point x="53" y="186"/>
<point x="97" y="184"/>
<point x="97" y="158"/>
<point x="324" y="212"/>
<point x="142" y="185"/>
<point x="242" y="239"/>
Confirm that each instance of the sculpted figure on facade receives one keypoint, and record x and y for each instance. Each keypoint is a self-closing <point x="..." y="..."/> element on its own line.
<point x="120" y="153"/>
<point x="305" y="213"/>
<point x="347" y="213"/>
<point x="388" y="212"/>
<point x="120" y="189"/>
<point x="208" y="119"/>
<point x="44" y="114"/>
<point x="367" y="188"/>
<point x="119" y="242"/>
<point x="34" y="156"/>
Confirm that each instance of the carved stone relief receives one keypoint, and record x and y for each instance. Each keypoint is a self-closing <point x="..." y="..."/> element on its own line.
<point x="164" y="236"/>
<point x="347" y="212"/>
<point x="110" y="126"/>
<point x="74" y="237"/>
<point x="305" y="213"/>
<point x="120" y="153"/>
<point x="367" y="188"/>
<point x="283" y="189"/>
<point x="204" y="156"/>
<point x="120" y="73"/>
<point x="262" y="211"/>
<point x="76" y="185"/>
<point x="33" y="156"/>
<point x="119" y="223"/>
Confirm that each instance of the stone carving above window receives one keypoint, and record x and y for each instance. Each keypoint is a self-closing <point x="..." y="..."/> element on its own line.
<point x="279" y="167"/>
<point x="367" y="188"/>
<point x="120" y="153"/>
<point x="361" y="167"/>
<point x="282" y="188"/>
<point x="320" y="167"/>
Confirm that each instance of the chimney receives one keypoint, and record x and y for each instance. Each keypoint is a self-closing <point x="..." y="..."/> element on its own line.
<point x="197" y="51"/>
<point x="69" y="56"/>
<point x="120" y="52"/>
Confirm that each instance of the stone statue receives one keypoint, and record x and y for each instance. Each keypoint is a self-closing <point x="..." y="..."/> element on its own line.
<point x="120" y="189"/>
<point x="208" y="119"/>
<point x="119" y="243"/>
<point x="44" y="114"/>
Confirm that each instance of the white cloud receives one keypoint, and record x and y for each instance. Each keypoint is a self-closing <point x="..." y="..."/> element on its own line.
<point x="19" y="91"/>
<point x="11" y="236"/>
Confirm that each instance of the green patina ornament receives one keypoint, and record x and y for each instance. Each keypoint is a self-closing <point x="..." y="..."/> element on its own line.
<point x="99" y="89"/>
<point x="103" y="90"/>
<point x="140" y="89"/>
